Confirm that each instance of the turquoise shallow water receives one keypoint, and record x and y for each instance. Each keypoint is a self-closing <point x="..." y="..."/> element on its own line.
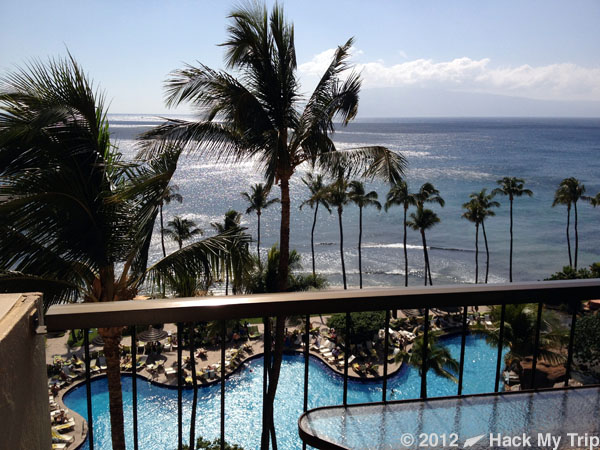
<point x="157" y="406"/>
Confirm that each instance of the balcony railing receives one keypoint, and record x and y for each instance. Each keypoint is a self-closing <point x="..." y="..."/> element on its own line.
<point x="182" y="311"/>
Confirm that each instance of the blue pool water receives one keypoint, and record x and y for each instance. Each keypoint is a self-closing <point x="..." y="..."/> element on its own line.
<point x="157" y="406"/>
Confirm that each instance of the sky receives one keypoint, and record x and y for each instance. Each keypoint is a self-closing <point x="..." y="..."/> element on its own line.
<point x="417" y="58"/>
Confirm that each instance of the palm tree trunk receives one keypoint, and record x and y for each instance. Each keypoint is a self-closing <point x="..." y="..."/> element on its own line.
<point x="195" y="397"/>
<point x="162" y="231"/>
<point x="511" y="242"/>
<point x="312" y="239"/>
<point x="284" y="235"/>
<point x="476" y="253"/>
<point x="258" y="237"/>
<point x="112" y="338"/>
<point x="568" y="237"/>
<point x="487" y="253"/>
<point x="227" y="275"/>
<point x="425" y="257"/>
<point x="342" y="247"/>
<point x="405" y="251"/>
<point x="576" y="235"/>
<point x="273" y="380"/>
<point x="359" y="244"/>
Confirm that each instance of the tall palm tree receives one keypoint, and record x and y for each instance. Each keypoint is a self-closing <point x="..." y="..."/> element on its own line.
<point x="439" y="359"/>
<point x="258" y="117"/>
<point x="171" y="195"/>
<point x="318" y="195"/>
<point x="421" y="221"/>
<point x="258" y="201"/>
<point x="74" y="212"/>
<point x="485" y="203"/>
<point x="427" y="194"/>
<point x="362" y="199"/>
<point x="569" y="191"/>
<point x="180" y="229"/>
<point x="399" y="195"/>
<point x="234" y="263"/>
<point x="511" y="187"/>
<point x="474" y="214"/>
<point x="337" y="196"/>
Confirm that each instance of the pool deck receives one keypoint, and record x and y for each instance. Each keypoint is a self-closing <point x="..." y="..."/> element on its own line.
<point x="168" y="358"/>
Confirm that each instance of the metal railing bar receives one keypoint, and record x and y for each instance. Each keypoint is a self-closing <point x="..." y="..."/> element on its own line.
<point x="88" y="387"/>
<point x="134" y="386"/>
<point x="223" y="345"/>
<point x="424" y="355"/>
<point x="179" y="387"/>
<point x="306" y="365"/>
<point x="386" y="350"/>
<point x="138" y="312"/>
<point x="500" y="347"/>
<point x="347" y="346"/>
<point x="538" y="326"/>
<point x="463" y="341"/>
<point x="267" y="365"/>
<point x="574" y="305"/>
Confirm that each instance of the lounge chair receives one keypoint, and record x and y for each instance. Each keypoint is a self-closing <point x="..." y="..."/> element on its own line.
<point x="102" y="362"/>
<point x="69" y="374"/>
<point x="94" y="366"/>
<point x="61" y="438"/>
<point x="141" y="361"/>
<point x="70" y="424"/>
<point x="58" y="446"/>
<point x="253" y="332"/>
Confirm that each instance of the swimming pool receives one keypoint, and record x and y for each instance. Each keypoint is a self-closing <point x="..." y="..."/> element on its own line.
<point x="157" y="406"/>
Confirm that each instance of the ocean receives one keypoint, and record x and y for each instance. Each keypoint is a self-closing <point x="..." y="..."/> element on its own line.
<point x="459" y="156"/>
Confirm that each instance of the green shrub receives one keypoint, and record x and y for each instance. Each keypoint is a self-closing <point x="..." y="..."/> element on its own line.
<point x="363" y="324"/>
<point x="204" y="444"/>
<point x="587" y="340"/>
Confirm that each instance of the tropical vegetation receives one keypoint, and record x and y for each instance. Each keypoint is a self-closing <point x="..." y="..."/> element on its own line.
<point x="358" y="195"/>
<point x="258" y="201"/>
<point x="180" y="229"/>
<point x="399" y="195"/>
<point x="76" y="218"/>
<point x="511" y="187"/>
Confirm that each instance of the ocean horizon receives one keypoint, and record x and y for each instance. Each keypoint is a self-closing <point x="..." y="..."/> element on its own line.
<point x="458" y="155"/>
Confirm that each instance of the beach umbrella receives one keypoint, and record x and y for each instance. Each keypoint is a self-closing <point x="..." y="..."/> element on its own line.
<point x="98" y="341"/>
<point x="152" y="335"/>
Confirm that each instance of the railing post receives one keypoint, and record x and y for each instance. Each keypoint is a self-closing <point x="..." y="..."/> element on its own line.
<point x="574" y="305"/>
<point x="424" y="355"/>
<point x="223" y="338"/>
<point x="386" y="349"/>
<point x="306" y="364"/>
<point x="463" y="342"/>
<point x="179" y="387"/>
<point x="267" y="365"/>
<point x="88" y="387"/>
<point x="134" y="386"/>
<point x="538" y="326"/>
<point x="346" y="351"/>
<point x="500" y="347"/>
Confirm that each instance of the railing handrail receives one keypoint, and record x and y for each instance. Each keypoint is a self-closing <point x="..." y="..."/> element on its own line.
<point x="145" y="312"/>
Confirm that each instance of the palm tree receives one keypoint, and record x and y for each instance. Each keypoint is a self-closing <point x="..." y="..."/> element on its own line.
<point x="171" y="195"/>
<point x="235" y="264"/>
<point x="569" y="191"/>
<point x="74" y="212"/>
<point x="427" y="194"/>
<point x="257" y="117"/>
<point x="337" y="196"/>
<point x="399" y="195"/>
<point x="485" y="204"/>
<point x="258" y="201"/>
<point x="362" y="199"/>
<point x="423" y="220"/>
<point x="439" y="359"/>
<point x="511" y="187"/>
<point x="315" y="185"/>
<point x="473" y="214"/>
<point x="180" y="229"/>
<point x="595" y="201"/>
<point x="520" y="331"/>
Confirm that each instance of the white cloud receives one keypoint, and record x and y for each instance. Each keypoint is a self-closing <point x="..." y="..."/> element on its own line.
<point x="561" y="81"/>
